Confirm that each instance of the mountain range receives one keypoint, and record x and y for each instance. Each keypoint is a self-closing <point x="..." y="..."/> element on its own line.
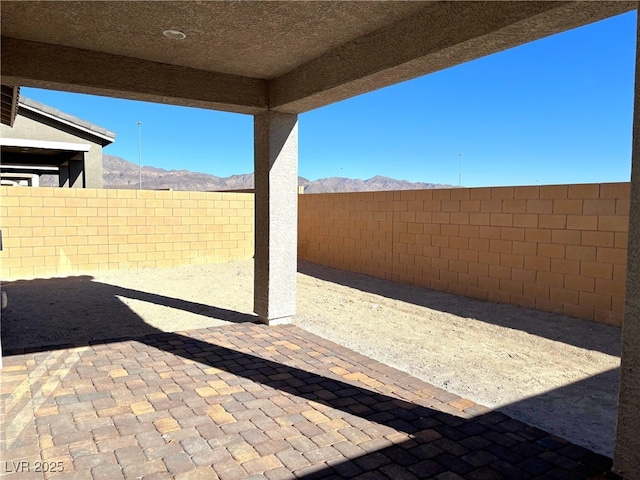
<point x="120" y="173"/>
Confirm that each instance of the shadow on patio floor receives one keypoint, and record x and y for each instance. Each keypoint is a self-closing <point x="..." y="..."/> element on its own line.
<point x="246" y="399"/>
<point x="78" y="309"/>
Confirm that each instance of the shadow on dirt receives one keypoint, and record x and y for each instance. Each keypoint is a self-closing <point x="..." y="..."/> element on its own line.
<point x="572" y="331"/>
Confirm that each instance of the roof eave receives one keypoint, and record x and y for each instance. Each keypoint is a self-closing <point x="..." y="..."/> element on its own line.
<point x="9" y="104"/>
<point x="104" y="138"/>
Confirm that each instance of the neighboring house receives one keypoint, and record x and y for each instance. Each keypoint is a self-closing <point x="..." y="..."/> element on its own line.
<point x="40" y="140"/>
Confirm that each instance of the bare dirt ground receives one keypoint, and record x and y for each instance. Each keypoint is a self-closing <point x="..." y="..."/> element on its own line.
<point x="555" y="372"/>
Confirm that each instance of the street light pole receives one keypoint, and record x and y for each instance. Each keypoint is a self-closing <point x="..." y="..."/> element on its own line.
<point x="460" y="172"/>
<point x="139" y="154"/>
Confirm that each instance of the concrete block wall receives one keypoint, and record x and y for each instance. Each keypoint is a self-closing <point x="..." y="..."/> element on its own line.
<point x="55" y="231"/>
<point x="558" y="248"/>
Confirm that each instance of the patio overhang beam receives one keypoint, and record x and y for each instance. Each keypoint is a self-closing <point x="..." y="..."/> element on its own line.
<point x="44" y="144"/>
<point x="58" y="67"/>
<point x="12" y="161"/>
<point x="441" y="36"/>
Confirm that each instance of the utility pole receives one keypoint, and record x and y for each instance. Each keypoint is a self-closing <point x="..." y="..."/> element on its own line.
<point x="139" y="154"/>
<point x="460" y="171"/>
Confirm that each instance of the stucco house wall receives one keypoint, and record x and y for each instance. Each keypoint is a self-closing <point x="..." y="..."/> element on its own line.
<point x="33" y="125"/>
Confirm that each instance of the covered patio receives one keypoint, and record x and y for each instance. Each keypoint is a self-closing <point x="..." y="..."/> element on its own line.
<point x="250" y="401"/>
<point x="275" y="61"/>
<point x="199" y="389"/>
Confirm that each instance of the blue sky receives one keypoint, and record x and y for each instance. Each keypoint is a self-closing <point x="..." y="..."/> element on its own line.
<point x="558" y="110"/>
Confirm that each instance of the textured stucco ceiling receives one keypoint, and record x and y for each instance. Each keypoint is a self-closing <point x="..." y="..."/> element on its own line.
<point x="250" y="56"/>
<point x="250" y="39"/>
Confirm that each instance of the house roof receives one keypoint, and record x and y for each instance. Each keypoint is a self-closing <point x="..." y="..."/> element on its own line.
<point x="104" y="136"/>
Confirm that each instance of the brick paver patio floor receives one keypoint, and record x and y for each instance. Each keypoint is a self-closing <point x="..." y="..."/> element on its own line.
<point x="251" y="401"/>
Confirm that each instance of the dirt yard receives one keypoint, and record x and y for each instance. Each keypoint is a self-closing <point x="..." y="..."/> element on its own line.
<point x="555" y="372"/>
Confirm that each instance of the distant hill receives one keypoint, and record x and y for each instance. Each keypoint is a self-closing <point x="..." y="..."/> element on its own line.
<point x="120" y="173"/>
<point x="375" y="184"/>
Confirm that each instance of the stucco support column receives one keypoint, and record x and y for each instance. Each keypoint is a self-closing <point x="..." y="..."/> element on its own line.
<point x="276" y="215"/>
<point x="93" y="168"/>
<point x="627" y="451"/>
